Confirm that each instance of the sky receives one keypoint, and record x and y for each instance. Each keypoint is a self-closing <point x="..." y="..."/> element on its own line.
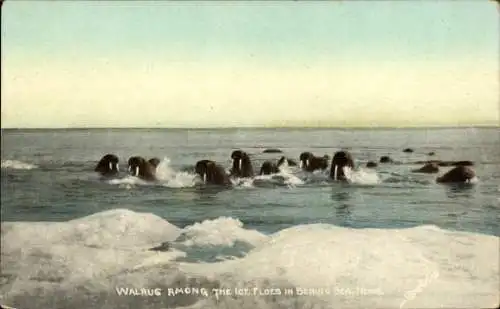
<point x="235" y="64"/>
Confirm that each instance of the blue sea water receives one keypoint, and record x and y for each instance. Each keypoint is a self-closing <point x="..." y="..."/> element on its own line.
<point x="66" y="232"/>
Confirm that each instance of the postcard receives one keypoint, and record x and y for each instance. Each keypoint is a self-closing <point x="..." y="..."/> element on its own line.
<point x="250" y="154"/>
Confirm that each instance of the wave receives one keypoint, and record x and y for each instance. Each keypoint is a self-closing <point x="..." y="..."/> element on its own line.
<point x="361" y="176"/>
<point x="166" y="176"/>
<point x="288" y="176"/>
<point x="169" y="177"/>
<point x="17" y="165"/>
<point x="81" y="263"/>
<point x="292" y="176"/>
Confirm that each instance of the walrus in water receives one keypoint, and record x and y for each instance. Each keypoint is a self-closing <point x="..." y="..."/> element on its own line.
<point x="428" y="168"/>
<point x="139" y="167"/>
<point x="268" y="168"/>
<point x="212" y="173"/>
<point x="310" y="162"/>
<point x="272" y="150"/>
<point x="447" y="163"/>
<point x="154" y="161"/>
<point x="386" y="159"/>
<point x="371" y="164"/>
<point x="458" y="174"/>
<point x="242" y="166"/>
<point x="340" y="160"/>
<point x="290" y="162"/>
<point x="108" y="166"/>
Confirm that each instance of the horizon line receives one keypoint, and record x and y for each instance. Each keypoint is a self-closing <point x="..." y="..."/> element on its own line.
<point x="257" y="127"/>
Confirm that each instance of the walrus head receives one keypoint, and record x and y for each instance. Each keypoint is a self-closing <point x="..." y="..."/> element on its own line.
<point x="340" y="160"/>
<point x="304" y="159"/>
<point x="108" y="165"/>
<point x="139" y="167"/>
<point x="202" y="168"/>
<point x="237" y="157"/>
<point x="135" y="164"/>
<point x="211" y="173"/>
<point x="242" y="165"/>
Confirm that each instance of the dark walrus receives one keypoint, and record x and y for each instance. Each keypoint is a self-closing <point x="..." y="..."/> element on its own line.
<point x="309" y="162"/>
<point x="108" y="166"/>
<point x="139" y="167"/>
<point x="242" y="166"/>
<point x="212" y="173"/>
<point x="428" y="168"/>
<point x="458" y="174"/>
<point x="340" y="160"/>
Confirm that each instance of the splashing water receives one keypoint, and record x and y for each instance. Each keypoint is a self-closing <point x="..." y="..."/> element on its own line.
<point x="474" y="180"/>
<point x="128" y="181"/>
<point x="285" y="176"/>
<point x="243" y="182"/>
<point x="290" y="179"/>
<point x="288" y="172"/>
<point x="17" y="165"/>
<point x="361" y="176"/>
<point x="173" y="179"/>
<point x="165" y="175"/>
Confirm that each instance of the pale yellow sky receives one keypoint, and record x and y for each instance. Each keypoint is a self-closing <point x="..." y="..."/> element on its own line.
<point x="116" y="93"/>
<point x="285" y="64"/>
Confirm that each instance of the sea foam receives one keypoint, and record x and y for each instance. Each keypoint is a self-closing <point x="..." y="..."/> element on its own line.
<point x="166" y="176"/>
<point x="361" y="176"/>
<point x="289" y="176"/>
<point x="17" y="165"/>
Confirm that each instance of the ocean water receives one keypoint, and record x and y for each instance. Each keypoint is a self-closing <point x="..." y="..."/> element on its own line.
<point x="388" y="239"/>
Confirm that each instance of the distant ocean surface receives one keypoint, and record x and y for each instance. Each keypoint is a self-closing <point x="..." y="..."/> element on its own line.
<point x="388" y="239"/>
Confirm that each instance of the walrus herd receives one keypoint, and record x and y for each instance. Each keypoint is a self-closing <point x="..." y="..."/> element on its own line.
<point x="211" y="172"/>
